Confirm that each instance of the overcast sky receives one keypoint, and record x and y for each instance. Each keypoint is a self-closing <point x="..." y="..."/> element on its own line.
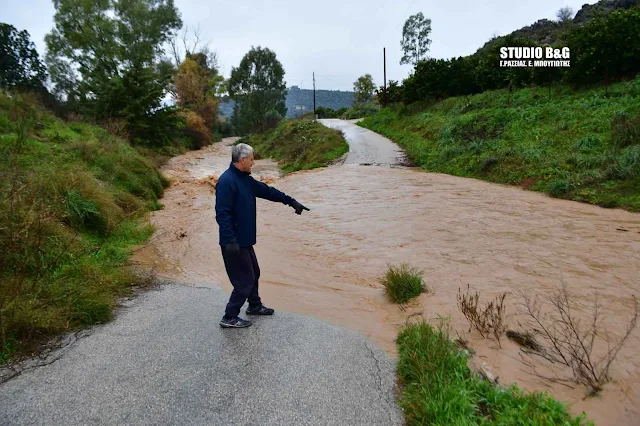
<point x="338" y="39"/>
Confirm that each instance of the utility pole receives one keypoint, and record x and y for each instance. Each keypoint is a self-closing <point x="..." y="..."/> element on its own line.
<point x="384" y="53"/>
<point x="314" y="94"/>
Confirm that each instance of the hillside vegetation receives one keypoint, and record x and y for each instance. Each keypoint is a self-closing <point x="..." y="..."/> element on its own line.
<point x="552" y="32"/>
<point x="602" y="50"/>
<point x="299" y="144"/>
<point x="72" y="200"/>
<point x="580" y="145"/>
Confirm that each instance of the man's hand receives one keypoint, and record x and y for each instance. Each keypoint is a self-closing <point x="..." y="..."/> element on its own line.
<point x="298" y="207"/>
<point x="232" y="248"/>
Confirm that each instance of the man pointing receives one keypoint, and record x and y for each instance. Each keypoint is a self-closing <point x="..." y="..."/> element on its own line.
<point x="236" y="193"/>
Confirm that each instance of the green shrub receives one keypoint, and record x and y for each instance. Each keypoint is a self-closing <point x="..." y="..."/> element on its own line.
<point x="272" y="118"/>
<point x="488" y="163"/>
<point x="625" y="130"/>
<point x="588" y="143"/>
<point x="83" y="212"/>
<point x="326" y="112"/>
<point x="557" y="188"/>
<point x="360" y="111"/>
<point x="403" y="283"/>
<point x="628" y="165"/>
<point x="440" y="389"/>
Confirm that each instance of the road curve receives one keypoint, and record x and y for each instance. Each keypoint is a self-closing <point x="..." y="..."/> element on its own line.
<point x="166" y="361"/>
<point x="366" y="147"/>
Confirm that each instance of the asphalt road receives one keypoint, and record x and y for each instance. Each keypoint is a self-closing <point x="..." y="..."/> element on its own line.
<point x="366" y="147"/>
<point x="164" y="360"/>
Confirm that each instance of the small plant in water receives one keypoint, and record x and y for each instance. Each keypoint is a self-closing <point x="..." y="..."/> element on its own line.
<point x="403" y="283"/>
<point x="489" y="320"/>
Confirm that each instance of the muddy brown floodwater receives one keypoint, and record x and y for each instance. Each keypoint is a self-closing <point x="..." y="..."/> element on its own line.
<point x="326" y="263"/>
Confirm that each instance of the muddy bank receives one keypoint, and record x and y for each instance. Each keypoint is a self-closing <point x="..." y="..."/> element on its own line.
<point x="326" y="263"/>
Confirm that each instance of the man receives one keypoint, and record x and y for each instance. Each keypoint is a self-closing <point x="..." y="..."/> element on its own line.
<point x="236" y="193"/>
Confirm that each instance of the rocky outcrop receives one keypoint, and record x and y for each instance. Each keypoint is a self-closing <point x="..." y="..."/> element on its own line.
<point x="546" y="31"/>
<point x="605" y="6"/>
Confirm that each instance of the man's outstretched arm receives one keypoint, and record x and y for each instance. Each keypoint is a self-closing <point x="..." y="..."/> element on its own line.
<point x="272" y="194"/>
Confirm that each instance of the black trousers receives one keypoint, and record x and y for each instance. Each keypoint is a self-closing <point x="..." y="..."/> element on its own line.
<point x="243" y="271"/>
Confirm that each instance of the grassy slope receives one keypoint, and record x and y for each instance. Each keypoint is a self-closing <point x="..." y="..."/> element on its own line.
<point x="71" y="202"/>
<point x="569" y="147"/>
<point x="299" y="145"/>
<point x="439" y="388"/>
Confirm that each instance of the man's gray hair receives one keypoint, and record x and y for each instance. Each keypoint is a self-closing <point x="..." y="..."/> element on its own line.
<point x="242" y="150"/>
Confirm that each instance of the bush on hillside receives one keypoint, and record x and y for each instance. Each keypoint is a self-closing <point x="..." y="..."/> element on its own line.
<point x="71" y="196"/>
<point x="625" y="129"/>
<point x="361" y="111"/>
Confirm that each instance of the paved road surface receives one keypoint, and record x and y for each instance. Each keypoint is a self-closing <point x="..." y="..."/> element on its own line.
<point x="365" y="146"/>
<point x="165" y="360"/>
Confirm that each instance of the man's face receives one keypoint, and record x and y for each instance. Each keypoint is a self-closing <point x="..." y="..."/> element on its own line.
<point x="246" y="163"/>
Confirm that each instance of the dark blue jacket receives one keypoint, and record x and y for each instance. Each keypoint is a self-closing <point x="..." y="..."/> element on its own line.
<point x="236" y="193"/>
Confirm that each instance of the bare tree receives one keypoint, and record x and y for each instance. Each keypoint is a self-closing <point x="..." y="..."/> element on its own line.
<point x="189" y="42"/>
<point x="564" y="14"/>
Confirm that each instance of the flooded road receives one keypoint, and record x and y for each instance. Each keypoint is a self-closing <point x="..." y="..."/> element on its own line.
<point x="327" y="262"/>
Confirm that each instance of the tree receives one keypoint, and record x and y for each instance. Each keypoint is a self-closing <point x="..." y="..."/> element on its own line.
<point x="565" y="14"/>
<point x="196" y="91"/>
<point x="258" y="89"/>
<point x="104" y="57"/>
<point x="415" y="39"/>
<point x="192" y="84"/>
<point x="188" y="44"/>
<point x="190" y="38"/>
<point x="394" y="92"/>
<point x="605" y="48"/>
<point x="20" y="65"/>
<point x="363" y="89"/>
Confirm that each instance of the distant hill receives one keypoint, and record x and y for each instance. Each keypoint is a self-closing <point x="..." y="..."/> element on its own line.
<point x="334" y="99"/>
<point x="547" y="31"/>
